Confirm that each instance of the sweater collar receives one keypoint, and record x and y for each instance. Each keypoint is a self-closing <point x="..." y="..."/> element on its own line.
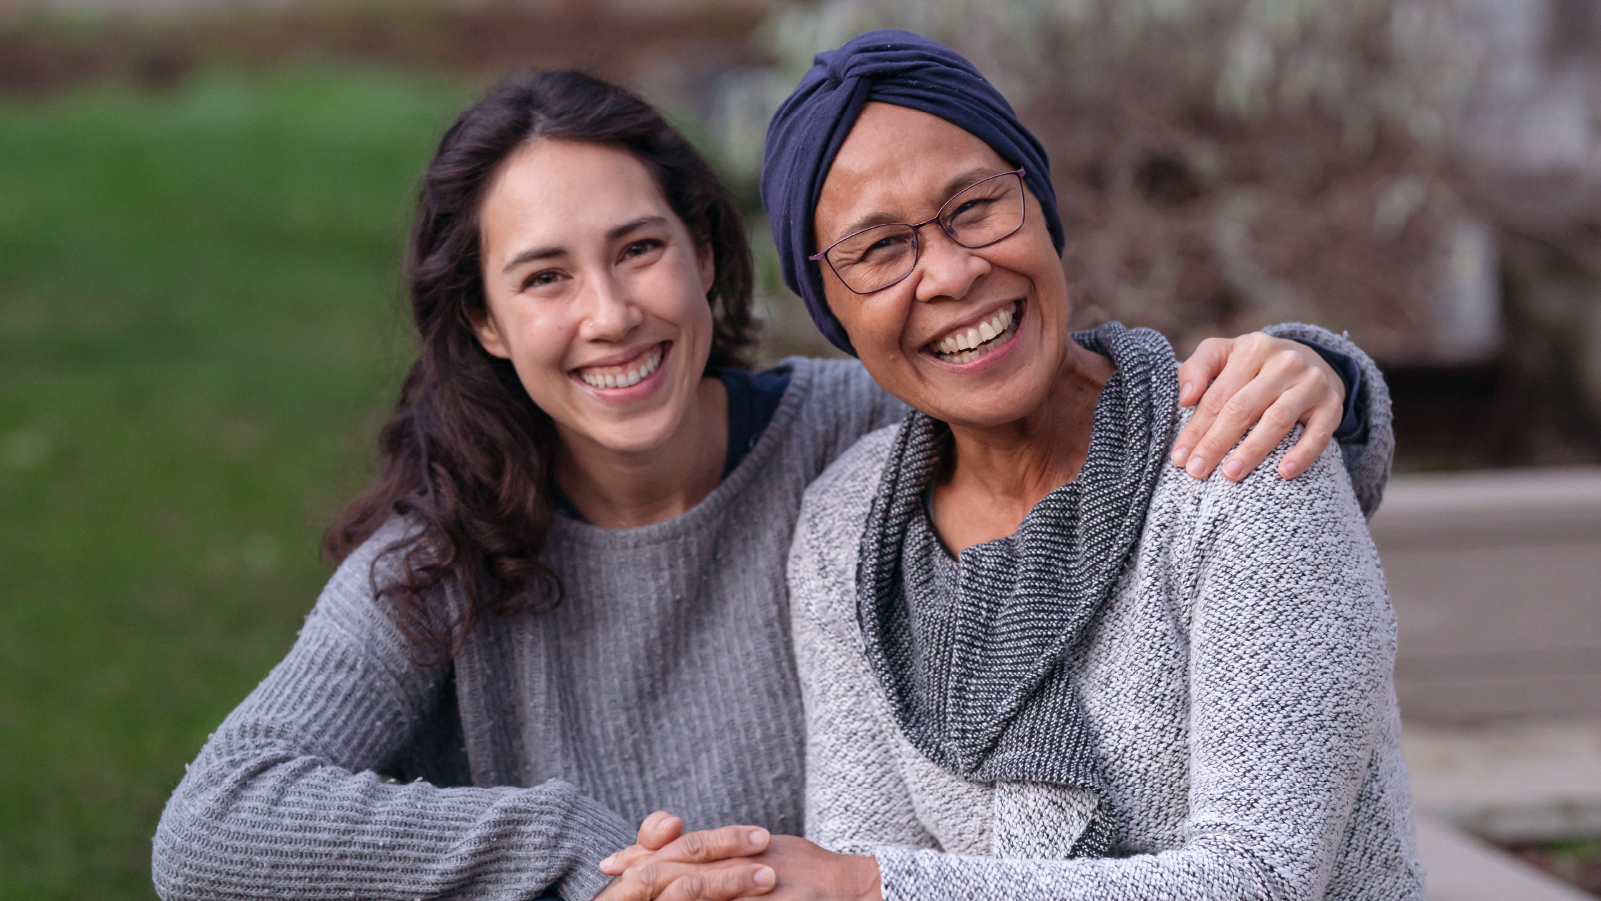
<point x="969" y="653"/>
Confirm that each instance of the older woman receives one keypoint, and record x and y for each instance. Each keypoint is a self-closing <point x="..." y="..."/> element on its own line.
<point x="1038" y="663"/>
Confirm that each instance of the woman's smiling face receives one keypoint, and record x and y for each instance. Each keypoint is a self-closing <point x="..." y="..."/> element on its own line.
<point x="915" y="337"/>
<point x="596" y="293"/>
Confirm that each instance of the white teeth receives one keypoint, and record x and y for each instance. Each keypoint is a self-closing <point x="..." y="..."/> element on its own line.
<point x="625" y="379"/>
<point x="964" y="346"/>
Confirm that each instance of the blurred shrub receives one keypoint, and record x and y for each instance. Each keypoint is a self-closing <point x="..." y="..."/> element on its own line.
<point x="1222" y="164"/>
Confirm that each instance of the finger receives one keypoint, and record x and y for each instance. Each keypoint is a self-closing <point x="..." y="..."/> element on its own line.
<point x="657" y="880"/>
<point x="622" y="860"/>
<point x="1275" y="423"/>
<point x="709" y="845"/>
<point x="660" y="829"/>
<point x="1238" y="398"/>
<point x="1201" y="368"/>
<point x="1237" y="415"/>
<point x="1243" y="368"/>
<point x="723" y="881"/>
<point x="1319" y="430"/>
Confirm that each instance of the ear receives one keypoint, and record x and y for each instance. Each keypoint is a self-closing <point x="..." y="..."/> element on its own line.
<point x="488" y="332"/>
<point x="706" y="258"/>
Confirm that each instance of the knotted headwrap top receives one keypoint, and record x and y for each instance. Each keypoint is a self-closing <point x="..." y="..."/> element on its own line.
<point x="896" y="67"/>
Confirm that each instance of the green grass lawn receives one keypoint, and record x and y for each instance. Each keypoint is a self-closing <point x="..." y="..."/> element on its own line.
<point x="201" y="327"/>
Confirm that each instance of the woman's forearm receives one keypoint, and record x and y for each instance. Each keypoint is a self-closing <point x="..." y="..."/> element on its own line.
<point x="284" y="800"/>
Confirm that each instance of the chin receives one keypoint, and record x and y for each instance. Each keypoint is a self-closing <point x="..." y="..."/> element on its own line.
<point x="985" y="402"/>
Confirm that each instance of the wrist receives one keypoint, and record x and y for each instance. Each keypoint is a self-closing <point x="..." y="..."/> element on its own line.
<point x="868" y="884"/>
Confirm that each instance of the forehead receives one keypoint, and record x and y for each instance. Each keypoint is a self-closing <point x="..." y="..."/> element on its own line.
<point x="554" y="192"/>
<point x="895" y="161"/>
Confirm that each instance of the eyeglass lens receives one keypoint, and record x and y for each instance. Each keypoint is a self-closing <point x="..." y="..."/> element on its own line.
<point x="979" y="214"/>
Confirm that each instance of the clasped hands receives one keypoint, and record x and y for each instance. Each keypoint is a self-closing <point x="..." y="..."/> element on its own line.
<point x="732" y="862"/>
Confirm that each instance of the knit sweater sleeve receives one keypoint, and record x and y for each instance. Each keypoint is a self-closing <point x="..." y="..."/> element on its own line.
<point x="1291" y="642"/>
<point x="284" y="800"/>
<point x="1368" y="453"/>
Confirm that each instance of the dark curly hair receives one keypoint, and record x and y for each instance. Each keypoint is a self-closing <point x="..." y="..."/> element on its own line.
<point x="466" y="456"/>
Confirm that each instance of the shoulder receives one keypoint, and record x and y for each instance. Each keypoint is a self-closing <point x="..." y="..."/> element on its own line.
<point x="1266" y="548"/>
<point x="837" y="402"/>
<point x="1322" y="495"/>
<point x="350" y="600"/>
<point x="847" y="486"/>
<point x="837" y="386"/>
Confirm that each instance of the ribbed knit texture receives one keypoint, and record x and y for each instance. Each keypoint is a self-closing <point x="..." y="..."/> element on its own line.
<point x="664" y="680"/>
<point x="1236" y="688"/>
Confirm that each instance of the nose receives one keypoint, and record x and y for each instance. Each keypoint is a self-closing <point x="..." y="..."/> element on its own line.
<point x="611" y="315"/>
<point x="946" y="269"/>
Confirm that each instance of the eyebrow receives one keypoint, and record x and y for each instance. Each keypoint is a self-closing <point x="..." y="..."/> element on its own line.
<point x="956" y="183"/>
<point x="535" y="254"/>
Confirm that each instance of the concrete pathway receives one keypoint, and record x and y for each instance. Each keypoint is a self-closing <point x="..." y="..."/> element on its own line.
<point x="1463" y="868"/>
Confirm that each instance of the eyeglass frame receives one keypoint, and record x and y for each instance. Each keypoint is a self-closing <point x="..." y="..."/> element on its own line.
<point x="917" y="232"/>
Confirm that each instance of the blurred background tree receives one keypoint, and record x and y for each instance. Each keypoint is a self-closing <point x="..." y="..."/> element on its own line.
<point x="202" y="206"/>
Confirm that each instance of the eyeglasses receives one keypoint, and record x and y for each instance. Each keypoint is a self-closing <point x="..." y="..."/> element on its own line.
<point x="979" y="215"/>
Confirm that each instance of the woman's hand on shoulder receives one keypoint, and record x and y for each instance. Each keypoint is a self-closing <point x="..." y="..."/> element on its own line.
<point x="733" y="862"/>
<point x="1255" y="378"/>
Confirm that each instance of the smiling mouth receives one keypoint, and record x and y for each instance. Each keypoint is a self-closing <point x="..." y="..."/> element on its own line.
<point x="964" y="345"/>
<point x="628" y="374"/>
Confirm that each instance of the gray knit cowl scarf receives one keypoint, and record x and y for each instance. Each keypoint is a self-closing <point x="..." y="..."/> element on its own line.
<point x="969" y="651"/>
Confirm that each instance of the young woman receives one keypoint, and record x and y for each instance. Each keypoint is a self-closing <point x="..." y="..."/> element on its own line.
<point x="1038" y="662"/>
<point x="562" y="604"/>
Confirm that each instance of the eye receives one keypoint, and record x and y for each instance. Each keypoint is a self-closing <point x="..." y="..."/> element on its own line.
<point x="641" y="248"/>
<point x="542" y="278"/>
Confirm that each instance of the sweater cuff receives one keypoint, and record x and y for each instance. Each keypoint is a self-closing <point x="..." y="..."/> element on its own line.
<point x="897" y="873"/>
<point x="595" y="833"/>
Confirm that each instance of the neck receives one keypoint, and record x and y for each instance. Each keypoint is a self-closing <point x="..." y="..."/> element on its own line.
<point x="995" y="474"/>
<point x="629" y="489"/>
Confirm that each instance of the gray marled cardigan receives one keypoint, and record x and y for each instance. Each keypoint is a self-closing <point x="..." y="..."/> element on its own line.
<point x="1238" y="688"/>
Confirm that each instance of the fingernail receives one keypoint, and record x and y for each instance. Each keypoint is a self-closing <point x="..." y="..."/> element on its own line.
<point x="1185" y="391"/>
<point x="758" y="836"/>
<point x="766" y="878"/>
<point x="1289" y="468"/>
<point x="608" y="861"/>
<point x="1180" y="454"/>
<point x="1232" y="469"/>
<point x="1196" y="468"/>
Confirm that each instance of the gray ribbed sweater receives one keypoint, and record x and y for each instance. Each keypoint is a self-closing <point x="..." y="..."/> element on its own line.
<point x="666" y="680"/>
<point x="1237" y="689"/>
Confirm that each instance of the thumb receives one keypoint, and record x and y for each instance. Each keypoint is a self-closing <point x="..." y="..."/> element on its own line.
<point x="1201" y="368"/>
<point x="660" y="829"/>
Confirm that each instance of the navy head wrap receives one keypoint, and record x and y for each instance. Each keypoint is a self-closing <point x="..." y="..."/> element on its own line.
<point x="895" y="67"/>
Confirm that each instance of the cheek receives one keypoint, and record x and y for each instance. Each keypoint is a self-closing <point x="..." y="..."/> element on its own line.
<point x="540" y="340"/>
<point x="674" y="295"/>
